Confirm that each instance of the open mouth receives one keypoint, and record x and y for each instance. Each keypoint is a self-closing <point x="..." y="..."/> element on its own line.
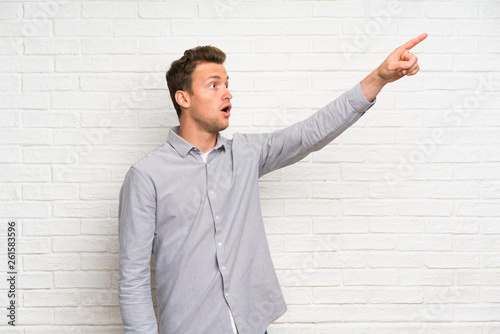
<point x="226" y="110"/>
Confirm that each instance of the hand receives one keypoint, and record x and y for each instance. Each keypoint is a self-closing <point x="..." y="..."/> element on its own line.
<point x="401" y="62"/>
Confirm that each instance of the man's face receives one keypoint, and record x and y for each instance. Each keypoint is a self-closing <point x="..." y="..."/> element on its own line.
<point x="210" y="105"/>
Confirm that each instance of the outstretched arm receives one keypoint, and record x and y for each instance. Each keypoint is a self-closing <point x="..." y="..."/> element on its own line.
<point x="399" y="63"/>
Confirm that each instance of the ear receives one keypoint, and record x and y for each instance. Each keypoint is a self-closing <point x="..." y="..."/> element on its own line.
<point x="182" y="98"/>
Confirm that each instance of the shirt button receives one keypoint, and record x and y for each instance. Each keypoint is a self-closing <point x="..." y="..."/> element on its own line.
<point x="219" y="244"/>
<point x="217" y="217"/>
<point x="227" y="294"/>
<point x="211" y="192"/>
<point x="223" y="268"/>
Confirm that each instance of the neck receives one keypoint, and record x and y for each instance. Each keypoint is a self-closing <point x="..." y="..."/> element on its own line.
<point x="203" y="140"/>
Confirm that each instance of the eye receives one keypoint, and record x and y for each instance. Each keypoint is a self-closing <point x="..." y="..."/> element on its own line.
<point x="212" y="85"/>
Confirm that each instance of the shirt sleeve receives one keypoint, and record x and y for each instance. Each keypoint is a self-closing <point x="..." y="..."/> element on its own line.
<point x="137" y="215"/>
<point x="289" y="145"/>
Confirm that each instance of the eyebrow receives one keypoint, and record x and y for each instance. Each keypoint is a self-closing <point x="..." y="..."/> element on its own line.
<point x="216" y="77"/>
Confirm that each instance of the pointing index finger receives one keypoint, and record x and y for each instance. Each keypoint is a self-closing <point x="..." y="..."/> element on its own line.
<point x="415" y="41"/>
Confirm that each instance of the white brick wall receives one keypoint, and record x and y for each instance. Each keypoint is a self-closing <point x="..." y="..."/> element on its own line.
<point x="393" y="228"/>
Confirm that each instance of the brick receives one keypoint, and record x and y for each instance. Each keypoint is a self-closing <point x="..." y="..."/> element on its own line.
<point x="87" y="315"/>
<point x="490" y="191"/>
<point x="25" y="209"/>
<point x="313" y="62"/>
<point x="100" y="226"/>
<point x="255" y="28"/>
<point x="26" y="64"/>
<point x="312" y="278"/>
<point x="312" y="208"/>
<point x="447" y="260"/>
<point x="380" y="277"/>
<point x="339" y="295"/>
<point x="442" y="295"/>
<point x="425" y="208"/>
<point x="79" y="174"/>
<point x="452" y="226"/>
<point x="33" y="245"/>
<point x="10" y="155"/>
<point x="44" y="46"/>
<point x="50" y="191"/>
<point x="287" y="190"/>
<point x="314" y="313"/>
<point x="336" y="225"/>
<point x="99" y="261"/>
<point x="99" y="298"/>
<point x="110" y="46"/>
<point x="80" y="100"/>
<point x="297" y="296"/>
<point x="85" y="140"/>
<point x="431" y="277"/>
<point x="98" y="192"/>
<point x="288" y="10"/>
<point x="336" y="260"/>
<point x="113" y="156"/>
<point x="478" y="208"/>
<point x="353" y="207"/>
<point x="477" y="313"/>
<point x="450" y="10"/>
<point x="77" y="279"/>
<point x="10" y="10"/>
<point x="24" y="101"/>
<point x="338" y="9"/>
<point x="82" y="28"/>
<point x="491" y="295"/>
<point x="35" y="227"/>
<point x="35" y="280"/>
<point x="8" y="192"/>
<point x="300" y="261"/>
<point x="229" y="10"/>
<point x="141" y="28"/>
<point x="313" y="243"/>
<point x="43" y="82"/>
<point x="489" y="226"/>
<point x="50" y="298"/>
<point x="257" y="63"/>
<point x="137" y="137"/>
<point x="20" y="173"/>
<point x="169" y="10"/>
<point x="352" y="172"/>
<point x="51" y="10"/>
<point x="26" y="136"/>
<point x="400" y="190"/>
<point x="39" y="119"/>
<point x="425" y="243"/>
<point x="36" y="315"/>
<point x="203" y="28"/>
<point x="455" y="190"/>
<point x="394" y="260"/>
<point x="51" y="262"/>
<point x="282" y="45"/>
<point x="477" y="243"/>
<point x="9" y="82"/>
<point x="39" y="28"/>
<point x="477" y="277"/>
<point x="312" y="27"/>
<point x="79" y="244"/>
<point x="82" y="64"/>
<point x="109" y="10"/>
<point x="48" y="155"/>
<point x="87" y="209"/>
<point x="396" y="296"/>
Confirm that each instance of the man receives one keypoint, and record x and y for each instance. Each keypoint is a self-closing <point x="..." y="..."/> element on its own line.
<point x="194" y="203"/>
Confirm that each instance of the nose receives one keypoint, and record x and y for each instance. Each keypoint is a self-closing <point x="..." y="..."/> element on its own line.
<point x="227" y="95"/>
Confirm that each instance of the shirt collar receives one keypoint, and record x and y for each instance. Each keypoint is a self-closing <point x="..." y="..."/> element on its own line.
<point x="183" y="147"/>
